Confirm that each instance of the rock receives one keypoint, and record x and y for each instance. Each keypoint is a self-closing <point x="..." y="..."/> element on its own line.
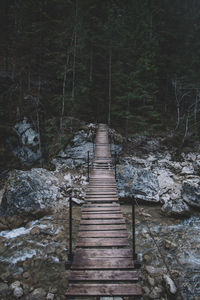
<point x="15" y="285"/>
<point x="137" y="162"/>
<point x="151" y="280"/>
<point x="154" y="271"/>
<point x="76" y="154"/>
<point x="145" y="215"/>
<point x="196" y="165"/>
<point x="18" y="292"/>
<point x="155" y="293"/>
<point x="165" y="181"/>
<point x="115" y="149"/>
<point x="35" y="230"/>
<point x="4" y="289"/>
<point x="30" y="192"/>
<point x="37" y="294"/>
<point x="146" y="290"/>
<point x="187" y="170"/>
<point x="26" y="144"/>
<point x="5" y="276"/>
<point x="26" y="275"/>
<point x="169" y="245"/>
<point x="77" y="201"/>
<point x="170" y="286"/>
<point x="50" y="296"/>
<point x="191" y="192"/>
<point x="176" y="208"/>
<point x="53" y="290"/>
<point x="3" y="227"/>
<point x="146" y="258"/>
<point x="191" y="157"/>
<point x="137" y="183"/>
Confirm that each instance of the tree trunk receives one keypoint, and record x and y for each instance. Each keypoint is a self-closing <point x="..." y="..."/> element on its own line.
<point x="38" y="117"/>
<point x="110" y="84"/>
<point x="91" y="65"/>
<point x="127" y="119"/>
<point x="63" y="98"/>
<point x="74" y="59"/>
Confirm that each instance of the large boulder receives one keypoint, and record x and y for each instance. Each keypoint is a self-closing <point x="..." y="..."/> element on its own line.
<point x="30" y="192"/>
<point x="137" y="183"/>
<point x="76" y="154"/>
<point x="176" y="208"/>
<point x="191" y="192"/>
<point x="25" y="143"/>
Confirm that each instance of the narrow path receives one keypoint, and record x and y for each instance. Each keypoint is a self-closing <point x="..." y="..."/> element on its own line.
<point x="103" y="262"/>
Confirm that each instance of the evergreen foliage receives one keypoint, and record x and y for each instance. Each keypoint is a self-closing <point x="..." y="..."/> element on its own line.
<point x="90" y="59"/>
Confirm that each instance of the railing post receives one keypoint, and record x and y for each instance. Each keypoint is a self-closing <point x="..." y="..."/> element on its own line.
<point x="93" y="145"/>
<point x="133" y="229"/>
<point x="88" y="165"/>
<point x="70" y="253"/>
<point x="115" y="165"/>
<point x="137" y="264"/>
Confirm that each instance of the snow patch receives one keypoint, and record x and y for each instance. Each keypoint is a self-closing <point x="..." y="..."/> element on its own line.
<point x="10" y="234"/>
<point x="19" y="256"/>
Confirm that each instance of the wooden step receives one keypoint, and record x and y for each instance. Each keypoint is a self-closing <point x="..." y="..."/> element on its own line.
<point x="111" y="234"/>
<point x="102" y="242"/>
<point x="102" y="227"/>
<point x="93" y="275"/>
<point x="114" y="252"/>
<point x="102" y="263"/>
<point x="104" y="290"/>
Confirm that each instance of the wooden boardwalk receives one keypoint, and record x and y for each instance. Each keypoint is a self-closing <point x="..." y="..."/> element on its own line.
<point x="103" y="261"/>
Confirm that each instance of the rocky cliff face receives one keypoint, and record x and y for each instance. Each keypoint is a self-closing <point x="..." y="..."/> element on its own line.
<point x="155" y="176"/>
<point x="25" y="143"/>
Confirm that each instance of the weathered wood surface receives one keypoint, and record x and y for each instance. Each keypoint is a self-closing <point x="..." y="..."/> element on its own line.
<point x="102" y="242"/>
<point x="101" y="233"/>
<point x="103" y="262"/>
<point x="102" y="227"/>
<point x="102" y="221"/>
<point x="91" y="275"/>
<point x="112" y="252"/>
<point x="104" y="289"/>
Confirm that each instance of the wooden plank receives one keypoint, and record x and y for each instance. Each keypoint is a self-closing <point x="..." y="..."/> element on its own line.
<point x="101" y="196"/>
<point x="102" y="242"/>
<point x="117" y="233"/>
<point x="130" y="289"/>
<point x="100" y="221"/>
<point x="114" y="204"/>
<point x="98" y="192"/>
<point x="95" y="211"/>
<point x="113" y="275"/>
<point x="95" y="253"/>
<point x="102" y="227"/>
<point x="100" y="209"/>
<point x="100" y="200"/>
<point x="102" y="263"/>
<point x="102" y="216"/>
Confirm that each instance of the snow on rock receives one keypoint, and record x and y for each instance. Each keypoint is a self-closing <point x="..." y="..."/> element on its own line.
<point x="20" y="255"/>
<point x="10" y="234"/>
